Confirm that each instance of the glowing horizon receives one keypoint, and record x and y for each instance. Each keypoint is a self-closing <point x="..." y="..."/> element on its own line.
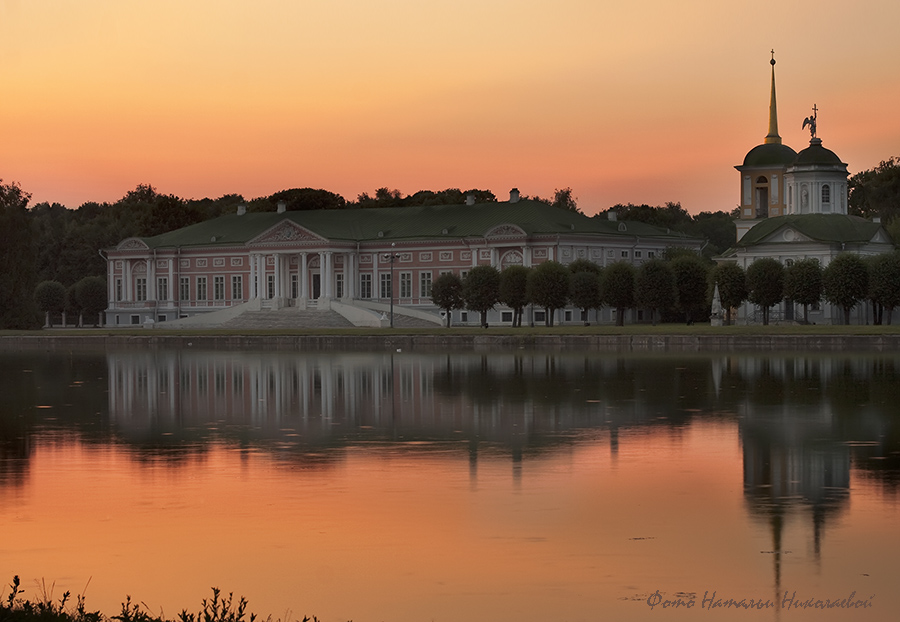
<point x="623" y="103"/>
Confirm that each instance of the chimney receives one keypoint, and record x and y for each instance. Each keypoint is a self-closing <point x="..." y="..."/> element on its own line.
<point x="242" y="209"/>
<point x="611" y="214"/>
<point x="514" y="195"/>
<point x="470" y="199"/>
<point x="876" y="219"/>
<point x="282" y="206"/>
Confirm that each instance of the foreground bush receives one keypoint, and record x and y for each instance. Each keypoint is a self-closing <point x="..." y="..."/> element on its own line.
<point x="219" y="608"/>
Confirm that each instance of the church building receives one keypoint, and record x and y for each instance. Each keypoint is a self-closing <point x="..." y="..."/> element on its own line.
<point x="794" y="206"/>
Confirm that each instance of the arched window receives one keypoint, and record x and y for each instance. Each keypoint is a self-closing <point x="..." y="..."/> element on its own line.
<point x="826" y="194"/>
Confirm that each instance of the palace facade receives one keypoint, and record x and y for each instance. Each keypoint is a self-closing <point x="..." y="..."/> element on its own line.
<point x="358" y="261"/>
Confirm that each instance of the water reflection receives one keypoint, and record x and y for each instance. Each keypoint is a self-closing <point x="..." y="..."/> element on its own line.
<point x="810" y="428"/>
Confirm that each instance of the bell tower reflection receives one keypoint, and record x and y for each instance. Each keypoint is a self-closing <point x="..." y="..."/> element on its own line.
<point x="794" y="457"/>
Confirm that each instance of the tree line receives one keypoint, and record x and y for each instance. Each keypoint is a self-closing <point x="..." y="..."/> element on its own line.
<point x="678" y="287"/>
<point x="50" y="242"/>
<point x="675" y="285"/>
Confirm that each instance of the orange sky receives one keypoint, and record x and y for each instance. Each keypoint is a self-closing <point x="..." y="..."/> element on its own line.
<point x="641" y="102"/>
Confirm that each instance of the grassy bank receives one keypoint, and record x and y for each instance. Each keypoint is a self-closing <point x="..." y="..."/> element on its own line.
<point x="633" y="329"/>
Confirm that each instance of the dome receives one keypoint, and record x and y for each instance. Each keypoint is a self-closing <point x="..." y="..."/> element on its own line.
<point x="817" y="154"/>
<point x="770" y="154"/>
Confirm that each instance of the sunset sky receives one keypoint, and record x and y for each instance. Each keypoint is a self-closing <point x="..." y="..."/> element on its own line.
<point x="642" y="102"/>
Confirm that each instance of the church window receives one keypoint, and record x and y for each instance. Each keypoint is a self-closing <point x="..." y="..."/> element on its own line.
<point x="826" y="194"/>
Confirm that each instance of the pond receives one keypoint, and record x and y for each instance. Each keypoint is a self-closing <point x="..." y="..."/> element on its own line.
<point x="409" y="486"/>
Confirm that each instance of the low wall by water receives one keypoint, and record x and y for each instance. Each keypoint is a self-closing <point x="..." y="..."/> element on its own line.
<point x="479" y="342"/>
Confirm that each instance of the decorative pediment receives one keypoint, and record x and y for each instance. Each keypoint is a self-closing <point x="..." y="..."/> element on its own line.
<point x="504" y="231"/>
<point x="881" y="238"/>
<point x="286" y="232"/>
<point x="785" y="234"/>
<point x="132" y="244"/>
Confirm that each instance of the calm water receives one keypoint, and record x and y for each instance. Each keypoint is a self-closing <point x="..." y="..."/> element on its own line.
<point x="432" y="486"/>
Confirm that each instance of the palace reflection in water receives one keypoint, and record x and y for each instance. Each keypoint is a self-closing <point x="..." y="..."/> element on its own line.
<point x="808" y="426"/>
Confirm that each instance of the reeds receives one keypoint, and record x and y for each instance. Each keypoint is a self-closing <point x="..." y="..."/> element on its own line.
<point x="219" y="608"/>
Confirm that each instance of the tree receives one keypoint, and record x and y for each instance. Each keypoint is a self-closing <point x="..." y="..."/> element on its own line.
<point x="765" y="282"/>
<point x="548" y="287"/>
<point x="514" y="290"/>
<point x="884" y="283"/>
<point x="563" y="199"/>
<point x="584" y="265"/>
<point x="691" y="275"/>
<point x="446" y="293"/>
<point x="803" y="284"/>
<point x="876" y="192"/>
<point x="654" y="287"/>
<point x="617" y="284"/>
<point x="297" y="199"/>
<point x="91" y="295"/>
<point x="17" y="257"/>
<point x="481" y="290"/>
<point x="50" y="297"/>
<point x="73" y="306"/>
<point x="584" y="291"/>
<point x="846" y="282"/>
<point x="732" y="282"/>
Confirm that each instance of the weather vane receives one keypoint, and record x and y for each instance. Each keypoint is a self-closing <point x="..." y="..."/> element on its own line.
<point x="811" y="122"/>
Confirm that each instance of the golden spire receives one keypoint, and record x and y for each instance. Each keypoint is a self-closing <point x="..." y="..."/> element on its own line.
<point x="773" y="138"/>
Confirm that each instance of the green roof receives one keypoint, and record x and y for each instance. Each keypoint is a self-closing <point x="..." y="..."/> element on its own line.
<point x="770" y="154"/>
<point x="817" y="154"/>
<point x="406" y="223"/>
<point x="836" y="228"/>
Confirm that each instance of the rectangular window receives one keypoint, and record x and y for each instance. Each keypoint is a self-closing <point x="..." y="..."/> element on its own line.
<point x="140" y="289"/>
<point x="237" y="287"/>
<point x="637" y="254"/>
<point x="506" y="316"/>
<point x="295" y="286"/>
<point x="219" y="287"/>
<point x="270" y="285"/>
<point x="463" y="274"/>
<point x="162" y="288"/>
<point x="201" y="288"/>
<point x="540" y="316"/>
<point x="624" y="254"/>
<point x="425" y="284"/>
<point x="185" y="287"/>
<point x="568" y="315"/>
<point x="386" y="285"/>
<point x="365" y="285"/>
<point x="118" y="290"/>
<point x="651" y="254"/>
<point x="464" y="316"/>
<point x="406" y="284"/>
<point x="339" y="285"/>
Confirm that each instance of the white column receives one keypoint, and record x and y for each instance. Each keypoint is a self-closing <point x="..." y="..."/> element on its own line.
<point x="495" y="258"/>
<point x="329" y="275"/>
<point x="350" y="275"/>
<point x="278" y="275"/>
<point x="263" y="285"/>
<point x="128" y="286"/>
<point x="322" y="274"/>
<point x="304" y="272"/>
<point x="170" y="295"/>
<point x="151" y="279"/>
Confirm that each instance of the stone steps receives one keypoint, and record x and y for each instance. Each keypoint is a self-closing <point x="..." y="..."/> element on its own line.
<point x="288" y="318"/>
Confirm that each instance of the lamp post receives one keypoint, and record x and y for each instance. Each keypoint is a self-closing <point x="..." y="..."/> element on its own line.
<point x="392" y="257"/>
